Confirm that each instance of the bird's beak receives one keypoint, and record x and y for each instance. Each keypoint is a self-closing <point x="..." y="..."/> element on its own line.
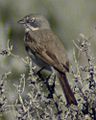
<point x="22" y="21"/>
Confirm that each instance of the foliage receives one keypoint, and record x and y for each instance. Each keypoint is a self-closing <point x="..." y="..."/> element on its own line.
<point x="37" y="97"/>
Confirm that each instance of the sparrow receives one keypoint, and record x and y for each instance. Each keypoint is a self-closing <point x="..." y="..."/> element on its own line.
<point x="46" y="49"/>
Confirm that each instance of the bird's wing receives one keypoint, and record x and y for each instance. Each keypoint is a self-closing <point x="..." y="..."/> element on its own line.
<point x="47" y="46"/>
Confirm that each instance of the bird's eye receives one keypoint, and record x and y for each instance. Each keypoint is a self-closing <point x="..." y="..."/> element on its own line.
<point x="32" y="22"/>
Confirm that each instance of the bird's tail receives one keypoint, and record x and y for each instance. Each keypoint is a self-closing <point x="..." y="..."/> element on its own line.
<point x="69" y="95"/>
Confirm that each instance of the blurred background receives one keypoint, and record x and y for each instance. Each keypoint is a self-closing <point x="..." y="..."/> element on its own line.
<point x="67" y="18"/>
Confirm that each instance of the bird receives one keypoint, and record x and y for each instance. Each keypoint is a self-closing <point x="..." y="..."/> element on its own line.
<point x="46" y="49"/>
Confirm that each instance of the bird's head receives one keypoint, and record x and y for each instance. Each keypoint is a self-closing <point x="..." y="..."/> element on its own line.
<point x="34" y="22"/>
